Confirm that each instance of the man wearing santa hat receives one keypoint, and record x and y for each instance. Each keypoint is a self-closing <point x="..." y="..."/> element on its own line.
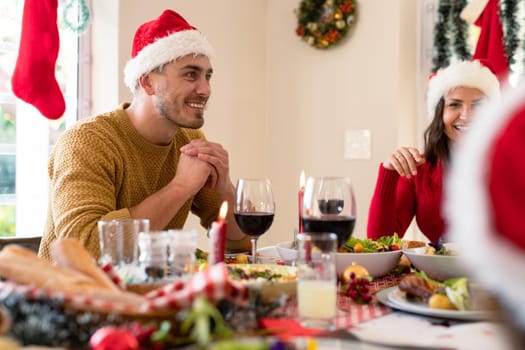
<point x="147" y="158"/>
<point x="485" y="204"/>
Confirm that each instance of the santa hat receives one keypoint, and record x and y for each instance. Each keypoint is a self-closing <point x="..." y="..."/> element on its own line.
<point x="485" y="203"/>
<point x="472" y="74"/>
<point x="161" y="41"/>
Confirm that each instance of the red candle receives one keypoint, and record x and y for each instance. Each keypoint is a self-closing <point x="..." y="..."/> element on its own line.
<point x="302" y="181"/>
<point x="218" y="236"/>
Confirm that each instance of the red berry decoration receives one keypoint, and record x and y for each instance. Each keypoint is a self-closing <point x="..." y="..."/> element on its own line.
<point x="358" y="289"/>
<point x="113" y="338"/>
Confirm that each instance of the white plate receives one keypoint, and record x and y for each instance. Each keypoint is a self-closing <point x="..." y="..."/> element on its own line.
<point x="396" y="299"/>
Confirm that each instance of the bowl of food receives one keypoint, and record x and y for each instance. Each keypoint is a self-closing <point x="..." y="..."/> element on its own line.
<point x="376" y="263"/>
<point x="270" y="280"/>
<point x="379" y="257"/>
<point x="438" y="264"/>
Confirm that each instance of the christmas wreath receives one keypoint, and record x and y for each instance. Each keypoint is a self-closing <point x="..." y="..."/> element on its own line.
<point x="323" y="23"/>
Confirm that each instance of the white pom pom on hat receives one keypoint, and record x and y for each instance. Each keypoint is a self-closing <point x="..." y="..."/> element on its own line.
<point x="473" y="74"/>
<point x="161" y="41"/>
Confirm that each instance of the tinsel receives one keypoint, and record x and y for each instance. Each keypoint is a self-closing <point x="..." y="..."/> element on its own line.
<point x="441" y="53"/>
<point x="450" y="34"/>
<point x="459" y="28"/>
<point x="507" y="15"/>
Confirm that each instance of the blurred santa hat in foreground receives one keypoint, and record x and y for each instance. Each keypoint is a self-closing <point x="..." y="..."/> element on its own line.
<point x="485" y="204"/>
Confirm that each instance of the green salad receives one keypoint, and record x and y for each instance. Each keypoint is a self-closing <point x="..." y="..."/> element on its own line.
<point x="382" y="244"/>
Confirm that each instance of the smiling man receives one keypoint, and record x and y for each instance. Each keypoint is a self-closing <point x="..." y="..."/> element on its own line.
<point x="148" y="158"/>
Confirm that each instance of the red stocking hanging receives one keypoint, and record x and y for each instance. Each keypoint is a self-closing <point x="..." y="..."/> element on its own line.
<point x="490" y="47"/>
<point x="34" y="76"/>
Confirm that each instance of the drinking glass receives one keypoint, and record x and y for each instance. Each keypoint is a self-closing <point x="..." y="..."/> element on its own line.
<point x="329" y="206"/>
<point x="317" y="279"/>
<point x="119" y="245"/>
<point x="254" y="208"/>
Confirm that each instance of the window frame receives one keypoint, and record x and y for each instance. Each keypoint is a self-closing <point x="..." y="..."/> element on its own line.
<point x="32" y="146"/>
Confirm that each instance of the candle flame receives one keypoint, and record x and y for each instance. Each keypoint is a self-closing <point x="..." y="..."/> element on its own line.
<point x="302" y="180"/>
<point x="224" y="210"/>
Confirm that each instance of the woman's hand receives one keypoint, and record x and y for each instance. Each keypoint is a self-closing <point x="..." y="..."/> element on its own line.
<point x="405" y="161"/>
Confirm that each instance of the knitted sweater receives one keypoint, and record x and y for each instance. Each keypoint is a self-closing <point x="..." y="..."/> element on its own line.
<point x="397" y="200"/>
<point x="101" y="167"/>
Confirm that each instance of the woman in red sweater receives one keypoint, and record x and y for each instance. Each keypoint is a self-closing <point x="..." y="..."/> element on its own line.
<point x="409" y="183"/>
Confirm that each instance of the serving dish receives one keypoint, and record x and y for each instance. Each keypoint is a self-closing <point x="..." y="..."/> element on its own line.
<point x="282" y="283"/>
<point x="377" y="264"/>
<point x="437" y="267"/>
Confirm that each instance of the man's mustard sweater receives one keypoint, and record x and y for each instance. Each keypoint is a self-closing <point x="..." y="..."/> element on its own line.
<point x="101" y="167"/>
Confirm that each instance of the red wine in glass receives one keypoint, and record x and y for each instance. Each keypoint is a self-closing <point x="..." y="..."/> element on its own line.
<point x="342" y="226"/>
<point x="254" y="223"/>
<point x="329" y="206"/>
<point x="254" y="209"/>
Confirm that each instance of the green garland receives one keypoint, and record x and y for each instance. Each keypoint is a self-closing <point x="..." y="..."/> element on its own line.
<point x="461" y="34"/>
<point x="441" y="53"/>
<point x="507" y="15"/>
<point x="449" y="26"/>
<point x="323" y="23"/>
<point x="80" y="24"/>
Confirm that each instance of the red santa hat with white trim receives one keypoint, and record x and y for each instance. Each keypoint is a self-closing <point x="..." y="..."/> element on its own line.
<point x="485" y="200"/>
<point x="161" y="41"/>
<point x="472" y="74"/>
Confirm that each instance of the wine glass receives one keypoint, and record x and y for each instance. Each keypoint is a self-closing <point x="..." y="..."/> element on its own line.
<point x="329" y="206"/>
<point x="254" y="208"/>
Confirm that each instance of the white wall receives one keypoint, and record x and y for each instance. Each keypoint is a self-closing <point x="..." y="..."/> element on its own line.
<point x="280" y="106"/>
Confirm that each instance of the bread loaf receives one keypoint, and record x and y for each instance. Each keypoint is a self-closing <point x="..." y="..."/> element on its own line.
<point x="22" y="266"/>
<point x="71" y="254"/>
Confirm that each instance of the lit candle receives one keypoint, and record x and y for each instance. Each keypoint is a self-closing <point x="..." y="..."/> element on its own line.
<point x="218" y="236"/>
<point x="302" y="181"/>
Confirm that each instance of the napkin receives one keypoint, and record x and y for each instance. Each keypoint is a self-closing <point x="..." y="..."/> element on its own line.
<point x="213" y="283"/>
<point x="286" y="329"/>
<point x="399" y="329"/>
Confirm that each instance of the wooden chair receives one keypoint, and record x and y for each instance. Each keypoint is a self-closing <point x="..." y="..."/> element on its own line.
<point x="32" y="243"/>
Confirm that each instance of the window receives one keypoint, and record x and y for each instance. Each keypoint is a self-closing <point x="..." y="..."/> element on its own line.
<point x="26" y="137"/>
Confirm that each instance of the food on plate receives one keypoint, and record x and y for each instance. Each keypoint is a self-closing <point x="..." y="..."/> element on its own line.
<point x="452" y="294"/>
<point x="440" y="301"/>
<point x="261" y="273"/>
<point x="239" y="258"/>
<point x="382" y="244"/>
<point x="358" y="271"/>
<point x="439" y="248"/>
<point x="408" y="244"/>
<point x="417" y="287"/>
<point x="270" y="282"/>
<point x="202" y="259"/>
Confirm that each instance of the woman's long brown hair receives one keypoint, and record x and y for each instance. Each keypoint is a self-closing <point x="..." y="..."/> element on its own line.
<point x="436" y="141"/>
